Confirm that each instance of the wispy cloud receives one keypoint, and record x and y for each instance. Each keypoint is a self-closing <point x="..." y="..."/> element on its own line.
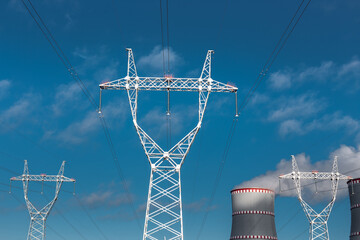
<point x="325" y="72"/>
<point x="156" y="120"/>
<point x="349" y="164"/>
<point x="154" y="60"/>
<point x="66" y="96"/>
<point x="297" y="107"/>
<point x="78" y="131"/>
<point x="20" y="110"/>
<point x="328" y="122"/>
<point x="4" y="87"/>
<point x="107" y="196"/>
<point x="89" y="59"/>
<point x="200" y="205"/>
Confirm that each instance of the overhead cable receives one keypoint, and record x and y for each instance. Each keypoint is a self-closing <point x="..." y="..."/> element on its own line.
<point x="56" y="47"/>
<point x="271" y="59"/>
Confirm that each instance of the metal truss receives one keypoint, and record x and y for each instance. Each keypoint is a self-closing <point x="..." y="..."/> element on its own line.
<point x="38" y="217"/>
<point x="163" y="218"/>
<point x="318" y="221"/>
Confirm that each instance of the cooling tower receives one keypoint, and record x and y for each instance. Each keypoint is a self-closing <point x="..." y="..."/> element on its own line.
<point x="253" y="214"/>
<point x="354" y="192"/>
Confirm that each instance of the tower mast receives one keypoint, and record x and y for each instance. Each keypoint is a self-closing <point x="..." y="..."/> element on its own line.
<point x="164" y="204"/>
<point x="38" y="217"/>
<point x="318" y="221"/>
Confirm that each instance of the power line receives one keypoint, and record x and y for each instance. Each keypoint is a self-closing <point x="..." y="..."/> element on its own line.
<point x="279" y="46"/>
<point x="271" y="59"/>
<point x="90" y="217"/>
<point x="78" y="200"/>
<point x="56" y="47"/>
<point x="219" y="174"/>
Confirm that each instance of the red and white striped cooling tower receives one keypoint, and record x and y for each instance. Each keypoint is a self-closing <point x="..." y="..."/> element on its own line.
<point x="253" y="214"/>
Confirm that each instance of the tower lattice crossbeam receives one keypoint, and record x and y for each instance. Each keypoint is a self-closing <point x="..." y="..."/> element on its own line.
<point x="164" y="204"/>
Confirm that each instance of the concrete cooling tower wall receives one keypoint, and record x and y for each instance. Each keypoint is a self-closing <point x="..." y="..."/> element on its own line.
<point x="354" y="192"/>
<point x="253" y="214"/>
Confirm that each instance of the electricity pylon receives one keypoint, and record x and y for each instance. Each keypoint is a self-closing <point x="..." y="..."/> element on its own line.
<point x="38" y="217"/>
<point x="318" y="221"/>
<point x="164" y="205"/>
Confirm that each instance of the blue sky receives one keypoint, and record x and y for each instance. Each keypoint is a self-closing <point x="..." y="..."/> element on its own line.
<point x="306" y="106"/>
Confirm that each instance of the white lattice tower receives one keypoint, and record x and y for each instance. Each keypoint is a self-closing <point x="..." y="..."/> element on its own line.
<point x="163" y="218"/>
<point x="38" y="217"/>
<point x="318" y="221"/>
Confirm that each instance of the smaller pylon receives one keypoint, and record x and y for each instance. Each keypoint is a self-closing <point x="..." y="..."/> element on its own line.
<point x="38" y="217"/>
<point x="318" y="221"/>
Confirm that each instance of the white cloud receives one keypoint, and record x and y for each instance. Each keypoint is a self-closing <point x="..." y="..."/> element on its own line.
<point x="108" y="197"/>
<point x="334" y="121"/>
<point x="20" y="110"/>
<point x="155" y="121"/>
<point x="325" y="72"/>
<point x="329" y="122"/>
<point x="67" y="95"/>
<point x="4" y="87"/>
<point x="290" y="126"/>
<point x="200" y="205"/>
<point x="318" y="73"/>
<point x="280" y="80"/>
<point x="90" y="59"/>
<point x="78" y="131"/>
<point x="349" y="164"/>
<point x="259" y="98"/>
<point x="155" y="59"/>
<point x="297" y="107"/>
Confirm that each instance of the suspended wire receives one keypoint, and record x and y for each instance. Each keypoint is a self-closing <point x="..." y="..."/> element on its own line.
<point x="90" y="217"/>
<point x="55" y="46"/>
<point x="52" y="187"/>
<point x="279" y="46"/>
<point x="69" y="223"/>
<point x="219" y="174"/>
<point x="30" y="190"/>
<point x="59" y="51"/>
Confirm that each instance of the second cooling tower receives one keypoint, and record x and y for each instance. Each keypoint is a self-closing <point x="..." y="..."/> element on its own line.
<point x="354" y="192"/>
<point x="253" y="214"/>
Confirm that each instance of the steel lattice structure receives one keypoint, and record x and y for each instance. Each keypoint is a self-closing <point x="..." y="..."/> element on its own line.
<point x="163" y="218"/>
<point x="318" y="221"/>
<point x="38" y="217"/>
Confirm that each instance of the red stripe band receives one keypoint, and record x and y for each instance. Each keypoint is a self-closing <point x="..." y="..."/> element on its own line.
<point x="253" y="237"/>
<point x="250" y="190"/>
<point x="355" y="206"/>
<point x="354" y="181"/>
<point x="253" y="212"/>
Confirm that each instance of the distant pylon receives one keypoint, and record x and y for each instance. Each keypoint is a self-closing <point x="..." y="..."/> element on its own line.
<point x="163" y="218"/>
<point x="318" y="221"/>
<point x="38" y="217"/>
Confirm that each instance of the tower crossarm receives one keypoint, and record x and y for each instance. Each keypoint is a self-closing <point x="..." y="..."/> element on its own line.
<point x="42" y="178"/>
<point x="168" y="84"/>
<point x="315" y="175"/>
